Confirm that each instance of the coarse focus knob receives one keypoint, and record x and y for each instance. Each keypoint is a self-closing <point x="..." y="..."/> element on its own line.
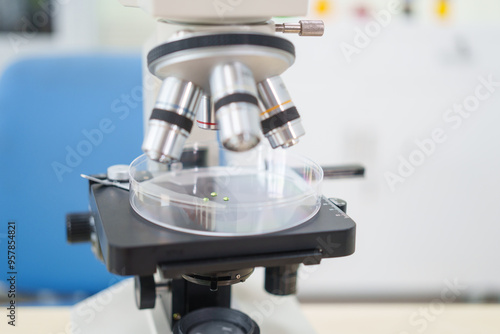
<point x="145" y="292"/>
<point x="79" y="227"/>
<point x="282" y="281"/>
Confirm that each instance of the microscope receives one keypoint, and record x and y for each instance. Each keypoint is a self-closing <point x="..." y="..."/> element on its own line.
<point x="191" y="222"/>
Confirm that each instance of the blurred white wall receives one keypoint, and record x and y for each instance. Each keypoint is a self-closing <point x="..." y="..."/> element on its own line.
<point x="80" y="26"/>
<point x="123" y="27"/>
<point x="442" y="222"/>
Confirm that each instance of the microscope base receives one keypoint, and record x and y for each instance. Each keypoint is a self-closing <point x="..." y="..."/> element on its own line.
<point x="114" y="311"/>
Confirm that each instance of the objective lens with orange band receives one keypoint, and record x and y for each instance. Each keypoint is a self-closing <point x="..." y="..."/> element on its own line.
<point x="280" y="121"/>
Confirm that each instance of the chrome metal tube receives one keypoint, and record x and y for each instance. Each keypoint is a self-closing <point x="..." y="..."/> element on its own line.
<point x="236" y="106"/>
<point x="171" y="120"/>
<point x="205" y="118"/>
<point x="280" y="121"/>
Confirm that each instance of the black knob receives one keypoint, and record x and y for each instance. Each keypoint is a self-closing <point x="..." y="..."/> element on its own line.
<point x="339" y="203"/>
<point x="216" y="320"/>
<point x="145" y="292"/>
<point x="342" y="172"/>
<point x="282" y="281"/>
<point x="78" y="227"/>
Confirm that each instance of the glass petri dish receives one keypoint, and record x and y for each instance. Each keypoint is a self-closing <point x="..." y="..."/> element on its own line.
<point x="221" y="193"/>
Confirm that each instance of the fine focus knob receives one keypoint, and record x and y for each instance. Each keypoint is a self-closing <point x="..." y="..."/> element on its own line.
<point x="78" y="227"/>
<point x="145" y="292"/>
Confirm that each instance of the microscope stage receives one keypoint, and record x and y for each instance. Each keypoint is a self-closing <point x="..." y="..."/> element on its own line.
<point x="132" y="245"/>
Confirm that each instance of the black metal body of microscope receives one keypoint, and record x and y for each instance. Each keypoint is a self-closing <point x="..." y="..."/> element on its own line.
<point x="195" y="271"/>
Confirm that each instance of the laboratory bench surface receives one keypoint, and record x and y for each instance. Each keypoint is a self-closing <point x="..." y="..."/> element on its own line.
<point x="325" y="318"/>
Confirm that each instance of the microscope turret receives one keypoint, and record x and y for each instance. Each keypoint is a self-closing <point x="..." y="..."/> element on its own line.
<point x="231" y="60"/>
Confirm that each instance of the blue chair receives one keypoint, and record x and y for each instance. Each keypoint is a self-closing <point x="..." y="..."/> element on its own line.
<point x="60" y="117"/>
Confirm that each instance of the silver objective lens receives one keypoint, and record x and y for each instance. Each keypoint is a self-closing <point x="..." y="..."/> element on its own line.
<point x="281" y="122"/>
<point x="205" y="117"/>
<point x="236" y="106"/>
<point x="171" y="120"/>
